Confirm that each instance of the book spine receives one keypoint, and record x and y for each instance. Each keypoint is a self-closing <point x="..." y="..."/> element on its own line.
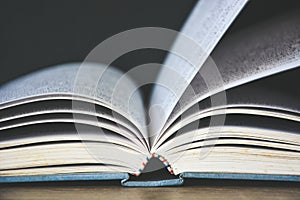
<point x="161" y="158"/>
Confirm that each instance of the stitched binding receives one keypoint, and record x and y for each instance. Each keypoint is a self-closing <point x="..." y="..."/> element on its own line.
<point x="162" y="159"/>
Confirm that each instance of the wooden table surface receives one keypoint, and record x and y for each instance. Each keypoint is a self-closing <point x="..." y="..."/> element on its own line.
<point x="205" y="189"/>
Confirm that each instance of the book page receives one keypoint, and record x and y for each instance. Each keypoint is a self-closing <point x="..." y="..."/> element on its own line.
<point x="202" y="31"/>
<point x="264" y="97"/>
<point x="89" y="80"/>
<point x="259" y="51"/>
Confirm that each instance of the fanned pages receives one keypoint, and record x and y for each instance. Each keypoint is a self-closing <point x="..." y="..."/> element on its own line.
<point x="220" y="109"/>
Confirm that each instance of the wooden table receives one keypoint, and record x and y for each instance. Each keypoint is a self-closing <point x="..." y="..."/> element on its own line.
<point x="201" y="189"/>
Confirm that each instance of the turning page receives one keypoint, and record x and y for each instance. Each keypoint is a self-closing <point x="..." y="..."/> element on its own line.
<point x="202" y="31"/>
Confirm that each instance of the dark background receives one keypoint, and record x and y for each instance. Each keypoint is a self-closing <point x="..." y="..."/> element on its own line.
<point x="37" y="34"/>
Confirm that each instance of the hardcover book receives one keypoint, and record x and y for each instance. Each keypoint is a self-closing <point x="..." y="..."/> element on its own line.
<point x="224" y="109"/>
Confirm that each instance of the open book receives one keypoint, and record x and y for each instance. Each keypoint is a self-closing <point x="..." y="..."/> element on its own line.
<point x="221" y="118"/>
